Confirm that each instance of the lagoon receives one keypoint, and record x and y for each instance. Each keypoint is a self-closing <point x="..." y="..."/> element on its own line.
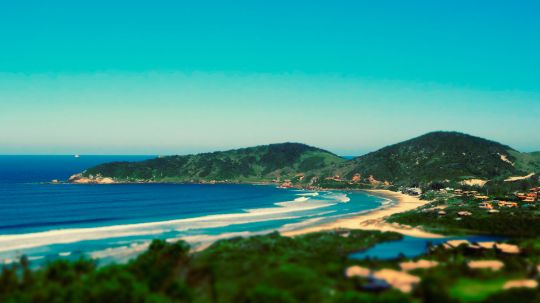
<point x="411" y="247"/>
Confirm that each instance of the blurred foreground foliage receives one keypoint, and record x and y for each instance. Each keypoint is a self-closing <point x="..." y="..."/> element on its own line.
<point x="259" y="269"/>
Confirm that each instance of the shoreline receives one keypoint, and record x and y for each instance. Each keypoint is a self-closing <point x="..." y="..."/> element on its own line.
<point x="371" y="220"/>
<point x="376" y="219"/>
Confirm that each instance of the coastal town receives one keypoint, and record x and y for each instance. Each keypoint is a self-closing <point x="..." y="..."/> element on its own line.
<point x="490" y="204"/>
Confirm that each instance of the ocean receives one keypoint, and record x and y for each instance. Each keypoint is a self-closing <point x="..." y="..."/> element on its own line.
<point x="114" y="223"/>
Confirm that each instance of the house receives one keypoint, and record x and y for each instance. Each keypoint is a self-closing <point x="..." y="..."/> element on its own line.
<point x="508" y="248"/>
<point x="507" y="204"/>
<point x="521" y="196"/>
<point x="422" y="264"/>
<point x="528" y="283"/>
<point x="357" y="271"/>
<point x="356" y="178"/>
<point x="286" y="184"/>
<point x="413" y="191"/>
<point x="503" y="247"/>
<point x="479" y="197"/>
<point x="335" y="178"/>
<point x="464" y="213"/>
<point x="494" y="265"/>
<point x="470" y="193"/>
<point x="383" y="278"/>
<point x="399" y="280"/>
<point x="455" y="243"/>
<point x="529" y="197"/>
<point x="373" y="181"/>
<point x="485" y="205"/>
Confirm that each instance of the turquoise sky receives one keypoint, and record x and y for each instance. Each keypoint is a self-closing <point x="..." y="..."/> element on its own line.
<point x="164" y="77"/>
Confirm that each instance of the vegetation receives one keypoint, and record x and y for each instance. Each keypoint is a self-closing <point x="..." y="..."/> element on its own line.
<point x="438" y="156"/>
<point x="270" y="268"/>
<point x="267" y="268"/>
<point x="521" y="221"/>
<point x="255" y="164"/>
<point x="529" y="162"/>
<point x="443" y="157"/>
<point x="471" y="290"/>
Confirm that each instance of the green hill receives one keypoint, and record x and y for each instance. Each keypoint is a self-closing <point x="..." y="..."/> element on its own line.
<point x="529" y="162"/>
<point x="439" y="156"/>
<point x="433" y="157"/>
<point x="254" y="164"/>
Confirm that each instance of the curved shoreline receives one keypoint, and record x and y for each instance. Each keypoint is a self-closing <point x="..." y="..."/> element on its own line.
<point x="375" y="220"/>
<point x="372" y="219"/>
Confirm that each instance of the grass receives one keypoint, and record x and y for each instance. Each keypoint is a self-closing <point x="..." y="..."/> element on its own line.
<point x="471" y="290"/>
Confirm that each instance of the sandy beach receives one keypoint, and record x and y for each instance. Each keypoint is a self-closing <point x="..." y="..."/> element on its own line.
<point x="375" y="220"/>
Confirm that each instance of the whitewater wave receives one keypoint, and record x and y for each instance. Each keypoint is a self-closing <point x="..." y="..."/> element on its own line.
<point x="126" y="252"/>
<point x="387" y="202"/>
<point x="212" y="238"/>
<point x="128" y="240"/>
<point x="299" y="225"/>
<point x="63" y="236"/>
<point x="122" y="252"/>
<point x="340" y="197"/>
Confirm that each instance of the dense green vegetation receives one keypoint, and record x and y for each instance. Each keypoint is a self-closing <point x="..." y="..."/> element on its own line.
<point x="434" y="157"/>
<point x="522" y="221"/>
<point x="529" y="162"/>
<point x="270" y="268"/>
<point x="504" y="190"/>
<point x="454" y="281"/>
<point x="437" y="156"/>
<point x="255" y="164"/>
<point x="259" y="269"/>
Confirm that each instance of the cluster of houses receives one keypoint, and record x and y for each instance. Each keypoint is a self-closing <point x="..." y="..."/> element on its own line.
<point x="489" y="206"/>
<point x="467" y="193"/>
<point x="357" y="178"/>
<point x="532" y="196"/>
<point x="486" y="245"/>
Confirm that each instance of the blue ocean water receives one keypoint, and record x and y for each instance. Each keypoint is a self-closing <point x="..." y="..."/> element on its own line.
<point x="115" y="222"/>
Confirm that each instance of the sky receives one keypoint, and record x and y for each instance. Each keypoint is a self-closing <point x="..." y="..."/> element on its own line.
<point x="177" y="77"/>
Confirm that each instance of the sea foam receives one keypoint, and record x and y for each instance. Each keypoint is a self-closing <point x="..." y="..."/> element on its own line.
<point x="63" y="236"/>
